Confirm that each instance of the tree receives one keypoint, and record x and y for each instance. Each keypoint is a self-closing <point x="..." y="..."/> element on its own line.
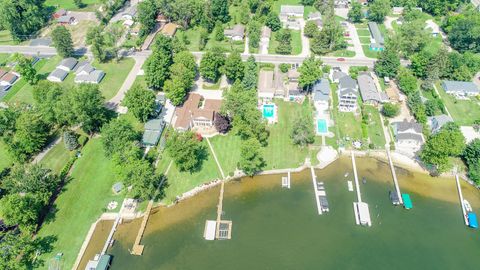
<point x="146" y="15"/>
<point x="302" y="131"/>
<point x="253" y="31"/>
<point x="70" y="140"/>
<point x="22" y="18"/>
<point x="187" y="152"/>
<point x="175" y="90"/>
<point x="378" y="9"/>
<point x="79" y="3"/>
<point x="250" y="77"/>
<point x="25" y="68"/>
<point x="307" y="2"/>
<point x="219" y="36"/>
<point x="471" y="156"/>
<point x="234" y="67"/>
<point x="184" y="67"/>
<point x="46" y="96"/>
<point x="464" y="34"/>
<point x="388" y="63"/>
<point x="330" y="38"/>
<point x="284" y="39"/>
<point x="251" y="159"/>
<point x="20" y="250"/>
<point x="311" y="29"/>
<point x="21" y="210"/>
<point x="96" y="39"/>
<point x="413" y="36"/>
<point x="222" y="123"/>
<point x="407" y="82"/>
<point x="211" y="64"/>
<point x="310" y="72"/>
<point x="355" y="14"/>
<point x="390" y="110"/>
<point x="157" y="69"/>
<point x="117" y="135"/>
<point x="273" y="22"/>
<point x="8" y="118"/>
<point x="62" y="40"/>
<point x="140" y="101"/>
<point x="220" y="10"/>
<point x="448" y="142"/>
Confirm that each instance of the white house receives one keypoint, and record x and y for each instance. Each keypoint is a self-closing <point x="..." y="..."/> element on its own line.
<point x="408" y="137"/>
<point x="86" y="73"/>
<point x="321" y="94"/>
<point x="347" y="94"/>
<point x="236" y="33"/>
<point x="291" y="11"/>
<point x="68" y="64"/>
<point x="461" y="89"/>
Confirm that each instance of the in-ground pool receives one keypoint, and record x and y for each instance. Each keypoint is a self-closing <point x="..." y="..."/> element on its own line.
<point x="322" y="126"/>
<point x="268" y="111"/>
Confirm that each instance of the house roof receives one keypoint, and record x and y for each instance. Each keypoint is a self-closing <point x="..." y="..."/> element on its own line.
<point x="84" y="67"/>
<point x="338" y="74"/>
<point x="191" y="110"/>
<point x="288" y="9"/>
<point x="151" y="137"/>
<point x="409" y="136"/>
<point x="321" y="90"/>
<point x="58" y="73"/>
<point x="314" y="15"/>
<point x="405" y="125"/>
<point x="347" y="91"/>
<point x="265" y="82"/>
<point x="2" y="72"/>
<point x="69" y="63"/>
<point x="237" y="30"/>
<point x="9" y="77"/>
<point x="347" y="82"/>
<point x="293" y="74"/>
<point x="65" y="19"/>
<point x="375" y="31"/>
<point x="154" y="124"/>
<point x="169" y="29"/>
<point x="436" y="122"/>
<point x="93" y="77"/>
<point x="459" y="86"/>
<point x="367" y="87"/>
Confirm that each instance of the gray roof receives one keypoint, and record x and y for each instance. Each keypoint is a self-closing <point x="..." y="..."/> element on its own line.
<point x="314" y="15"/>
<point x="69" y="63"/>
<point x="338" y="74"/>
<point x="375" y="31"/>
<point x="406" y="125"/>
<point x="436" y="122"/>
<point x="65" y="19"/>
<point x="84" y="66"/>
<point x="58" y="74"/>
<point x="93" y="77"/>
<point x="321" y="90"/>
<point x="367" y="87"/>
<point x="154" y="124"/>
<point x="288" y="9"/>
<point x="347" y="82"/>
<point x="458" y="86"/>
<point x="151" y="137"/>
<point x="265" y="82"/>
<point x="409" y="136"/>
<point x="347" y="91"/>
<point x="237" y="30"/>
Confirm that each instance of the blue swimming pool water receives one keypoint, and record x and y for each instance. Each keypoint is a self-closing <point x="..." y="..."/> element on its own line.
<point x="268" y="110"/>
<point x="322" y="126"/>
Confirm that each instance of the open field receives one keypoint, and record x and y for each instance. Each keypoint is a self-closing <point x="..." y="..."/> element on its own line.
<point x="70" y="4"/>
<point x="464" y="112"/>
<point x="296" y="43"/>
<point x="82" y="201"/>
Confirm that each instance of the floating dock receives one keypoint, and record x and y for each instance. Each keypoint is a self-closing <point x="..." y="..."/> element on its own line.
<point x="218" y="229"/>
<point x="286" y="181"/>
<point x="460" y="196"/>
<point x="395" y="181"/>
<point x="317" y="191"/>
<point x="360" y="209"/>
<point x="407" y="202"/>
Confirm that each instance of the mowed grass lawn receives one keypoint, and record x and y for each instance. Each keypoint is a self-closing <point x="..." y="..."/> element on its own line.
<point x="181" y="182"/>
<point x="57" y="157"/>
<point x="296" y="43"/>
<point x="464" y="112"/>
<point x="81" y="203"/>
<point x="227" y="148"/>
<point x="5" y="159"/>
<point x="375" y="130"/>
<point x="347" y="124"/>
<point x="277" y="4"/>
<point x="70" y="4"/>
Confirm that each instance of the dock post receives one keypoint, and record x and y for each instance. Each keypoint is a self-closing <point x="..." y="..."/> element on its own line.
<point x="460" y="195"/>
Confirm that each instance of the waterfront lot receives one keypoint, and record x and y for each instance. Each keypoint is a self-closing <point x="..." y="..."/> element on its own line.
<point x="81" y="202"/>
<point x="375" y="130"/>
<point x="296" y="43"/>
<point x="464" y="112"/>
<point x="347" y="124"/>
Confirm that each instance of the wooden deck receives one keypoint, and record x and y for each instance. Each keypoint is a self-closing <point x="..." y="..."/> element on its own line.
<point x="137" y="248"/>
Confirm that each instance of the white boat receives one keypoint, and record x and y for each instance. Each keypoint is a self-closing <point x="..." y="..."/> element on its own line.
<point x="350" y="185"/>
<point x="346" y="174"/>
<point x="467" y="206"/>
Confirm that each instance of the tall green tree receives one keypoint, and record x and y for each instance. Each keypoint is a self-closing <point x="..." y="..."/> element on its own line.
<point x="302" y="131"/>
<point x="413" y="37"/>
<point x="117" y="136"/>
<point x="330" y="38"/>
<point x="310" y="72"/>
<point x="46" y="96"/>
<point x="378" y="9"/>
<point x="273" y="22"/>
<point x="23" y="18"/>
<point x="211" y="64"/>
<point x="220" y="10"/>
<point x="26" y="69"/>
<point x="96" y="40"/>
<point x="185" y="149"/>
<point x="157" y="69"/>
<point x="147" y="13"/>
<point x="284" y="39"/>
<point x="254" y="32"/>
<point x="234" y="67"/>
<point x="388" y="63"/>
<point x="251" y="159"/>
<point x="407" y="82"/>
<point x="471" y="156"/>
<point x="250" y="77"/>
<point x="62" y="40"/>
<point x="175" y="90"/>
<point x="141" y="102"/>
<point x="311" y="29"/>
<point x="355" y="14"/>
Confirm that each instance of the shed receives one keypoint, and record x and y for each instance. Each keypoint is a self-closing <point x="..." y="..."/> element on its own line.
<point x="117" y="187"/>
<point x="472" y="220"/>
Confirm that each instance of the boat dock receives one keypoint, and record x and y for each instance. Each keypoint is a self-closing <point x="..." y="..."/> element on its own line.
<point x="460" y="196"/>
<point x="218" y="229"/>
<point x="286" y="181"/>
<point x="109" y="240"/>
<point x="316" y="191"/>
<point x="137" y="248"/>
<point x="398" y="198"/>
<point x="360" y="209"/>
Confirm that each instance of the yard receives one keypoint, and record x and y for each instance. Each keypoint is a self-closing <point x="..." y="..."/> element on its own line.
<point x="375" y="130"/>
<point x="57" y="157"/>
<point x="227" y="149"/>
<point x="296" y="43"/>
<point x="81" y="202"/>
<point x="193" y="37"/>
<point x="6" y="160"/>
<point x="347" y="124"/>
<point x="464" y="112"/>
<point x="277" y="4"/>
<point x="364" y="36"/>
<point x="90" y="5"/>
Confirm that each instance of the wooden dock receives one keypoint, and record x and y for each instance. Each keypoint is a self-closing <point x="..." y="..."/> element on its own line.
<point x="360" y="209"/>
<point x="460" y="196"/>
<point x="315" y="190"/>
<point x="223" y="228"/>
<point x="137" y="248"/>
<point x="394" y="175"/>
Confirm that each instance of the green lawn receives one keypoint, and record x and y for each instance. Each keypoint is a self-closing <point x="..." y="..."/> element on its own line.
<point x="363" y="32"/>
<point x="180" y="182"/>
<point x="81" y="203"/>
<point x="344" y="53"/>
<point x="57" y="157"/>
<point x="365" y="40"/>
<point x="375" y="130"/>
<point x="193" y="36"/>
<point x="368" y="52"/>
<point x="347" y="124"/>
<point x="464" y="112"/>
<point x="5" y="160"/>
<point x="137" y="125"/>
<point x="6" y="38"/>
<point x="70" y="4"/>
<point x="296" y="43"/>
<point x="227" y="149"/>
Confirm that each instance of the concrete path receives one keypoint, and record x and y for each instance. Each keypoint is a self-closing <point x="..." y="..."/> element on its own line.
<point x="438" y="94"/>
<point x="47" y="149"/>
<point x="357" y="45"/>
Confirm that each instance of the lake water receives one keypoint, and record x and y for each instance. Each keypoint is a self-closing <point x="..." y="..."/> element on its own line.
<point x="275" y="228"/>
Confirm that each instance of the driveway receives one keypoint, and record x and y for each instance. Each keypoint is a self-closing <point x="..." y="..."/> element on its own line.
<point x="357" y="46"/>
<point x="83" y="16"/>
<point x="305" y="41"/>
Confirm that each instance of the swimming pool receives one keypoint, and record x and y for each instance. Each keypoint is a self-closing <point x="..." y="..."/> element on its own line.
<point x="322" y="126"/>
<point x="268" y="111"/>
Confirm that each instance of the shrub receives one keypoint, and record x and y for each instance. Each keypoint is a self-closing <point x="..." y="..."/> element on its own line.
<point x="390" y="110"/>
<point x="70" y="140"/>
<point x="284" y="67"/>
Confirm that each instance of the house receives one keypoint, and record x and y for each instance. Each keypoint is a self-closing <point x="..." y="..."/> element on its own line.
<point x="169" y="29"/>
<point x="368" y="90"/>
<point x="292" y="24"/>
<point x="436" y="122"/>
<point x="314" y="15"/>
<point x="340" y="3"/>
<point x="408" y="136"/>
<point x="293" y="75"/>
<point x="68" y="64"/>
<point x="321" y="94"/>
<point x="153" y="130"/>
<point x="67" y="19"/>
<point x="8" y="79"/>
<point x="347" y="94"/>
<point x="128" y="23"/>
<point x="59" y="13"/>
<point x="236" y="33"/>
<point x="266" y="87"/>
<point x="161" y="19"/>
<point x="379" y="42"/>
<point x="397" y="10"/>
<point x="460" y="89"/>
<point x="336" y="74"/>
<point x="2" y="72"/>
<point x="433" y="28"/>
<point x="291" y="11"/>
<point x="86" y="73"/>
<point x="196" y="112"/>
<point x="58" y="75"/>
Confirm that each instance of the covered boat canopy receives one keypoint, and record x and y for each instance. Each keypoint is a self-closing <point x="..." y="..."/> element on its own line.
<point x="472" y="220"/>
<point x="407" y="202"/>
